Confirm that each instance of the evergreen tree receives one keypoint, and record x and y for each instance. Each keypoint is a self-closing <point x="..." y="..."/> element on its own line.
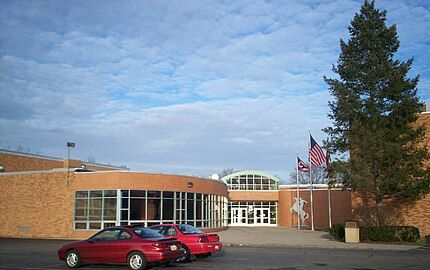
<point x="374" y="115"/>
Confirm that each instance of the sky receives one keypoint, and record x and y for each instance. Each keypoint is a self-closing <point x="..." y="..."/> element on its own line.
<point x="181" y="87"/>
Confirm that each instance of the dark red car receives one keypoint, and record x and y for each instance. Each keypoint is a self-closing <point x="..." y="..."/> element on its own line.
<point x="135" y="246"/>
<point x="194" y="241"/>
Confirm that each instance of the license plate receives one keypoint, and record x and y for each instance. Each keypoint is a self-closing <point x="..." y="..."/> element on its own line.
<point x="173" y="248"/>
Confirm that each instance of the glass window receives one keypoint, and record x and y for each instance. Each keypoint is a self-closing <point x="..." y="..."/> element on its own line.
<point x="168" y="209"/>
<point x="138" y="193"/>
<point x="147" y="233"/>
<point x="170" y="231"/>
<point x="137" y="209"/>
<point x="110" y="193"/>
<point x="81" y="194"/>
<point x="153" y="209"/>
<point x="154" y="194"/>
<point x="168" y="194"/>
<point x="188" y="229"/>
<point x="107" y="235"/>
<point x="124" y="235"/>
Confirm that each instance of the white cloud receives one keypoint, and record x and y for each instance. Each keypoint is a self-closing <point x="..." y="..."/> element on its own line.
<point x="185" y="87"/>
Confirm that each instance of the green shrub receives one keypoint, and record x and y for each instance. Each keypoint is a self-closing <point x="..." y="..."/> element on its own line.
<point x="389" y="233"/>
<point x="338" y="231"/>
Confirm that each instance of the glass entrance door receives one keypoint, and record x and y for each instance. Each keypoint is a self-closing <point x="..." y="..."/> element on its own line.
<point x="238" y="216"/>
<point x="261" y="216"/>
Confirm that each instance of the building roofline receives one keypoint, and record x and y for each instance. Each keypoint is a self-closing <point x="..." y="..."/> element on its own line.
<point x="272" y="177"/>
<point x="308" y="185"/>
<point x="16" y="153"/>
<point x="157" y="173"/>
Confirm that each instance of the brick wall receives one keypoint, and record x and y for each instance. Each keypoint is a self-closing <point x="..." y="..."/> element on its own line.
<point x="396" y="213"/>
<point x="18" y="162"/>
<point x="256" y="195"/>
<point x="340" y="204"/>
<point x="40" y="204"/>
<point x="36" y="205"/>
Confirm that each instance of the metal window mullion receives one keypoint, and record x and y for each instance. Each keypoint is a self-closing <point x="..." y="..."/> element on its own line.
<point x="161" y="206"/>
<point x="146" y="208"/>
<point x="174" y="207"/>
<point x="194" y="209"/>
<point x="118" y="207"/>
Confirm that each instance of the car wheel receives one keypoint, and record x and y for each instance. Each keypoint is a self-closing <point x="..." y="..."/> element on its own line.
<point x="203" y="256"/>
<point x="186" y="256"/>
<point x="73" y="260"/>
<point x="136" y="261"/>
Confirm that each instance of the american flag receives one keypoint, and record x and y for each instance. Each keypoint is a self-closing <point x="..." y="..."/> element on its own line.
<point x="316" y="154"/>
<point x="301" y="166"/>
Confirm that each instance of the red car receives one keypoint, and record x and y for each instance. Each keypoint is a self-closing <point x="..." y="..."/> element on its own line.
<point x="194" y="241"/>
<point x="135" y="246"/>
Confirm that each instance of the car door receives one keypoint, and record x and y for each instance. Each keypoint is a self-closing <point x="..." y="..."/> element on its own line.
<point x="101" y="247"/>
<point x="123" y="245"/>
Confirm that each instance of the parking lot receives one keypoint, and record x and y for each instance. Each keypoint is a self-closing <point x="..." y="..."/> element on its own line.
<point x="41" y="254"/>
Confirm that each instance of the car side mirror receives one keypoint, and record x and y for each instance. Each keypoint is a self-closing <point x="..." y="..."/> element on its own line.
<point x="90" y="240"/>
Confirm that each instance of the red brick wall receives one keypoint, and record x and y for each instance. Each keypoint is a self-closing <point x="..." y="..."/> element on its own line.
<point x="18" y="163"/>
<point x="40" y="204"/>
<point x="340" y="203"/>
<point x="257" y="195"/>
<point x="410" y="214"/>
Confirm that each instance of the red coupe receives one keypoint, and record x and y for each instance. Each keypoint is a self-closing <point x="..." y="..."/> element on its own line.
<point x="194" y="241"/>
<point x="135" y="246"/>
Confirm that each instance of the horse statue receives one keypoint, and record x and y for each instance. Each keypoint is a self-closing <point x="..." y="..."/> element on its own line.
<point x="298" y="208"/>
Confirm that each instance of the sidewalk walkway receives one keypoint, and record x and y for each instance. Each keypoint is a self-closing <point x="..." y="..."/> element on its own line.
<point x="288" y="237"/>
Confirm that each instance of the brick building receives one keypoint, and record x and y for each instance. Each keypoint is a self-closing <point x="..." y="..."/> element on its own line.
<point x="46" y="197"/>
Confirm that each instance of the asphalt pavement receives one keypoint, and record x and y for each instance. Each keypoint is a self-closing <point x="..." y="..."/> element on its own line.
<point x="41" y="254"/>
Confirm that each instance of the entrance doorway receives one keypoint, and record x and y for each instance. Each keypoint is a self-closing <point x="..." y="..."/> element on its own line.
<point x="249" y="216"/>
<point x="261" y="216"/>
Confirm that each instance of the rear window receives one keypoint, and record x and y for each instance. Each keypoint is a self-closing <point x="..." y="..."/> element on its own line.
<point x="147" y="233"/>
<point x="188" y="229"/>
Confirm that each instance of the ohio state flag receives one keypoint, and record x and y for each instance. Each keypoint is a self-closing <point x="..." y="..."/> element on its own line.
<point x="301" y="166"/>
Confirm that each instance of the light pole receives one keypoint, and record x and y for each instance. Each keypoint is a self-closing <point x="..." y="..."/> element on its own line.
<point x="69" y="145"/>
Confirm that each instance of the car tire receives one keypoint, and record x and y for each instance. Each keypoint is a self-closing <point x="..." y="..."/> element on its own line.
<point x="187" y="255"/>
<point x="136" y="261"/>
<point x="203" y="256"/>
<point x="72" y="259"/>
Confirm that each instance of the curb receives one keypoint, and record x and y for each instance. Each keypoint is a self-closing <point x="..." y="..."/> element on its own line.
<point x="354" y="247"/>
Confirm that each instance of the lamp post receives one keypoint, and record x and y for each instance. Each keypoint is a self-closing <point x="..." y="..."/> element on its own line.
<point x="69" y="145"/>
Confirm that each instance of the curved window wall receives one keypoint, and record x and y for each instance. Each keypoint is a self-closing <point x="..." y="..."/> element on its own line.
<point x="97" y="209"/>
<point x="250" y="181"/>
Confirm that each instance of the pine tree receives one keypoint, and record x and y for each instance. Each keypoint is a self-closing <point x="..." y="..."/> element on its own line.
<point x="374" y="112"/>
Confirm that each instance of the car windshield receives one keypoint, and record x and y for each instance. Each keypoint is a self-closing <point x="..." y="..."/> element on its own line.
<point x="188" y="229"/>
<point x="147" y="233"/>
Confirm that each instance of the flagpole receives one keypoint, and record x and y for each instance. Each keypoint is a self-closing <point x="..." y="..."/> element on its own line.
<point x="310" y="182"/>
<point x="329" y="206"/>
<point x="329" y="188"/>
<point x="298" y="192"/>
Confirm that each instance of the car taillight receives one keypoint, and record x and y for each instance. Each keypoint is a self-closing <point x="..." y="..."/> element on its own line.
<point x="203" y="239"/>
<point x="159" y="245"/>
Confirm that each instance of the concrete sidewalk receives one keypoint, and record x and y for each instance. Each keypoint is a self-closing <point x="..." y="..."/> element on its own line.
<point x="288" y="237"/>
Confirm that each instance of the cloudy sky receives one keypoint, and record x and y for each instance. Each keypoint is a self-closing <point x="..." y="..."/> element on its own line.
<point x="187" y="87"/>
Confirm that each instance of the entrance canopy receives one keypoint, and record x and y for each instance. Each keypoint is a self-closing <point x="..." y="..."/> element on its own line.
<point x="251" y="180"/>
